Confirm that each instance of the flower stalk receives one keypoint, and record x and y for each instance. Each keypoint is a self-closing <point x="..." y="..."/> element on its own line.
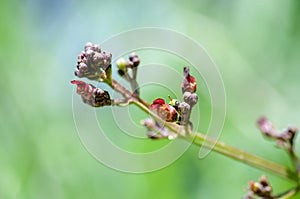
<point x="173" y="120"/>
<point x="224" y="149"/>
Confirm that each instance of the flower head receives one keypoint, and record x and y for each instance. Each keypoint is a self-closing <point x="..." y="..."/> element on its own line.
<point x="94" y="64"/>
<point x="91" y="95"/>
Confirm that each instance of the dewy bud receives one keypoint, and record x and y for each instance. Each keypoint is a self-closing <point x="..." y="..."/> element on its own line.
<point x="94" y="64"/>
<point x="91" y="95"/>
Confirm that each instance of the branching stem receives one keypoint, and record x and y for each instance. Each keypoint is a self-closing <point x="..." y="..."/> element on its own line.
<point x="224" y="149"/>
<point x="202" y="140"/>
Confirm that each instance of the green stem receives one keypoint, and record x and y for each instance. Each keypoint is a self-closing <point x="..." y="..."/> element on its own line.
<point x="224" y="149"/>
<point x="288" y="194"/>
<point x="202" y="140"/>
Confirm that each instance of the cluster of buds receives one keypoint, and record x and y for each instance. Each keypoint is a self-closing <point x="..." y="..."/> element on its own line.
<point x="123" y="65"/>
<point x="91" y="95"/>
<point x="132" y="63"/>
<point x="261" y="189"/>
<point x="94" y="64"/>
<point x="188" y="87"/>
<point x="175" y="110"/>
<point x="284" y="138"/>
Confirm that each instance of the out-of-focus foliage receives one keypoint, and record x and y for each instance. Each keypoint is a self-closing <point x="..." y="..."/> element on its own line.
<point x="255" y="44"/>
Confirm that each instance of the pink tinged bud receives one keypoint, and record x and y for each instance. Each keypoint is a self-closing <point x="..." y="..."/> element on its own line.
<point x="133" y="57"/>
<point x="91" y="95"/>
<point x="189" y="83"/>
<point x="266" y="126"/>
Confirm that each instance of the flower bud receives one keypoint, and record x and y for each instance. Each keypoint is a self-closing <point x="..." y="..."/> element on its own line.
<point x="91" y="95"/>
<point x="266" y="127"/>
<point x="121" y="63"/>
<point x="94" y="64"/>
<point x="129" y="64"/>
<point x="189" y="83"/>
<point x="190" y="98"/>
<point x="133" y="57"/>
<point x="184" y="111"/>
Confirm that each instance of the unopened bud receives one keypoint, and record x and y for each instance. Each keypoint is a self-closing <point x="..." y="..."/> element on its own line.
<point x="121" y="63"/>
<point x="189" y="83"/>
<point x="129" y="64"/>
<point x="190" y="98"/>
<point x="91" y="95"/>
<point x="133" y="57"/>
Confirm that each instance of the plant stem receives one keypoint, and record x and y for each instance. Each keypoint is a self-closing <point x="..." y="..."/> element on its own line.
<point x="202" y="140"/>
<point x="224" y="149"/>
<point x="126" y="93"/>
<point x="289" y="193"/>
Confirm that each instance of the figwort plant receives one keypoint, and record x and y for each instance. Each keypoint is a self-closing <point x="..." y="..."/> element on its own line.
<point x="172" y="120"/>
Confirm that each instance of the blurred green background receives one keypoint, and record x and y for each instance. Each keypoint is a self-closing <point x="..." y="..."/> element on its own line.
<point x="255" y="44"/>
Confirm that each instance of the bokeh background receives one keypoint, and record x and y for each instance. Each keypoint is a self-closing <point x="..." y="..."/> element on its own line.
<point x="255" y="44"/>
